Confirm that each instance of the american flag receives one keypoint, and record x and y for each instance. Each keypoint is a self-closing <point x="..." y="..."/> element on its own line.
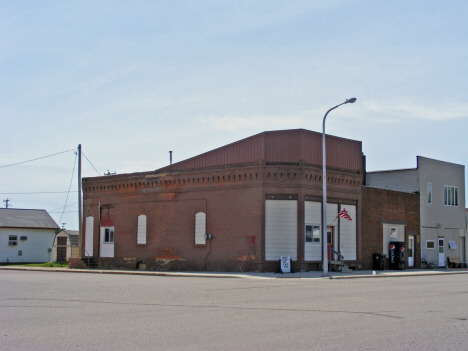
<point x="344" y="214"/>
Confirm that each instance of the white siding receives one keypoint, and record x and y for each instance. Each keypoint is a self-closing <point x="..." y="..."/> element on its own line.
<point x="280" y="229"/>
<point x="141" y="230"/>
<point x="405" y="180"/>
<point x="430" y="255"/>
<point x="441" y="173"/>
<point x="400" y="236"/>
<point x="348" y="234"/>
<point x="200" y="228"/>
<point x="313" y="216"/>
<point x="89" y="236"/>
<point x="34" y="249"/>
<point x="106" y="249"/>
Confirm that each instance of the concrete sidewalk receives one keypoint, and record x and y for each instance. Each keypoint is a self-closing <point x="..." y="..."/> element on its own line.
<point x="254" y="275"/>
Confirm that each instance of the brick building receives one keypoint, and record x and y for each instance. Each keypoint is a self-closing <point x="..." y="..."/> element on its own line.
<point x="236" y="208"/>
<point x="389" y="215"/>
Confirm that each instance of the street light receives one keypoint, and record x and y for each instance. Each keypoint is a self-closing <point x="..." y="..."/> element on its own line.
<point x="324" y="182"/>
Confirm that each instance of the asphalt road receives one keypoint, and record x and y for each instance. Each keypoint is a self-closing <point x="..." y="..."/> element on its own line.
<point x="64" y="311"/>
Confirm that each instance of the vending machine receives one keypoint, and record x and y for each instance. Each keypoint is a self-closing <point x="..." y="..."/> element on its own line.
<point x="396" y="255"/>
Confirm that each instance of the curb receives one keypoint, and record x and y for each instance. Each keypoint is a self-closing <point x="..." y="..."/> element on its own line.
<point x="233" y="275"/>
<point x="385" y="275"/>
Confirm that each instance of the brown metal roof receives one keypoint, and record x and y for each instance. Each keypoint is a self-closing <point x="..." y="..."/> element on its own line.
<point x="283" y="146"/>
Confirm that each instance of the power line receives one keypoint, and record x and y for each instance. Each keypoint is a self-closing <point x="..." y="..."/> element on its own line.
<point x="39" y="158"/>
<point x="90" y="163"/>
<point x="71" y="181"/>
<point x="61" y="208"/>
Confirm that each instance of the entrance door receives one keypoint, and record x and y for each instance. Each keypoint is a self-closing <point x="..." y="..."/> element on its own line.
<point x="61" y="248"/>
<point x="330" y="238"/>
<point x="410" y="251"/>
<point x="441" y="252"/>
<point x="61" y="254"/>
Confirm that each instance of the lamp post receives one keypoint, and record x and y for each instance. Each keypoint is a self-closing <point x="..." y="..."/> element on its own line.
<point x="324" y="186"/>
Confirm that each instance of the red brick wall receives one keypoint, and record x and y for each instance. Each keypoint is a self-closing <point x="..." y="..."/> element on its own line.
<point x="387" y="205"/>
<point x="233" y="200"/>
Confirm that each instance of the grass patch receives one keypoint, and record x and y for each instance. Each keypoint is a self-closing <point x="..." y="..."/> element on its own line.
<point x="46" y="264"/>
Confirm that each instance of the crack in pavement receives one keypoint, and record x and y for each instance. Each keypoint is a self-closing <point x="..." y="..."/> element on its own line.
<point x="380" y="314"/>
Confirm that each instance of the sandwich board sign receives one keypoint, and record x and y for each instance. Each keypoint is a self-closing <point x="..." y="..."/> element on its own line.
<point x="285" y="264"/>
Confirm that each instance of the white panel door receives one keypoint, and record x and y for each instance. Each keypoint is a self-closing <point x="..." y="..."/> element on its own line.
<point x="280" y="229"/>
<point x="107" y="242"/>
<point x="89" y="236"/>
<point x="441" y="252"/>
<point x="410" y="251"/>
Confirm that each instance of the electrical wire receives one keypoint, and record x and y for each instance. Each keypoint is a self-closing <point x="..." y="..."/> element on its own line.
<point x="61" y="208"/>
<point x="39" y="158"/>
<point x="90" y="163"/>
<point x="71" y="181"/>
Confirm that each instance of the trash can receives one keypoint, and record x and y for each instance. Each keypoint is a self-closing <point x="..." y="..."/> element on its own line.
<point x="377" y="262"/>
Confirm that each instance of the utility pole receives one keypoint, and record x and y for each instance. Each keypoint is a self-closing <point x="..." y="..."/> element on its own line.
<point x="6" y="202"/>
<point x="80" y="222"/>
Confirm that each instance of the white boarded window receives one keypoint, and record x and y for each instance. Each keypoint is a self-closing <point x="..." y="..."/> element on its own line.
<point x="89" y="236"/>
<point x="141" y="230"/>
<point x="200" y="228"/>
<point x="280" y="229"/>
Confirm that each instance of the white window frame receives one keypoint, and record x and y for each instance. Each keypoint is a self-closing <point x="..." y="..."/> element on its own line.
<point x="433" y="244"/>
<point x="429" y="193"/>
<point x="12" y="240"/>
<point x="313" y="238"/>
<point x="111" y="238"/>
<point x="450" y="195"/>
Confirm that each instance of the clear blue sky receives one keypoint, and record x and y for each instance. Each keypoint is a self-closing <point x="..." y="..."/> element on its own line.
<point x="131" y="80"/>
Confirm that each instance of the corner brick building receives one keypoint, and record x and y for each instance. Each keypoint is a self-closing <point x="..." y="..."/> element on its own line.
<point x="236" y="208"/>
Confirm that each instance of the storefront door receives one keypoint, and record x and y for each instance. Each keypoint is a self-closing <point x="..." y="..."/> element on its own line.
<point x="330" y="239"/>
<point x="441" y="252"/>
<point x="410" y="251"/>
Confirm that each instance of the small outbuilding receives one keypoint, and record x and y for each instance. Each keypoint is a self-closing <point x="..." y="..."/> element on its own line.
<point x="26" y="235"/>
<point x="65" y="246"/>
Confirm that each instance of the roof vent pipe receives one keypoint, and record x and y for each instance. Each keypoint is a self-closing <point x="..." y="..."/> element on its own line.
<point x="170" y="157"/>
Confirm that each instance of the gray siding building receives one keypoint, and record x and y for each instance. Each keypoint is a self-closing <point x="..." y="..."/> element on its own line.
<point x="441" y="188"/>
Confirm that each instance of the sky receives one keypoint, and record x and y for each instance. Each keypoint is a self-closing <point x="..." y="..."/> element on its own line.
<point x="131" y="80"/>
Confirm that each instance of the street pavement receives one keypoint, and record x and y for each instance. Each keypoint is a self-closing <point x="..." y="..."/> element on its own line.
<point x="57" y="310"/>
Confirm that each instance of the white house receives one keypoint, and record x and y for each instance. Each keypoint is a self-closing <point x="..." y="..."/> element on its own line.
<point x="26" y="235"/>
<point x="441" y="189"/>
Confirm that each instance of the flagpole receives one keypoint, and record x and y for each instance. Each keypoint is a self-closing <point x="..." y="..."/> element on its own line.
<point x="324" y="189"/>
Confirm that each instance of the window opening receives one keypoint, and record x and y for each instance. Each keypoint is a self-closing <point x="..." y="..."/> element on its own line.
<point x="109" y="235"/>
